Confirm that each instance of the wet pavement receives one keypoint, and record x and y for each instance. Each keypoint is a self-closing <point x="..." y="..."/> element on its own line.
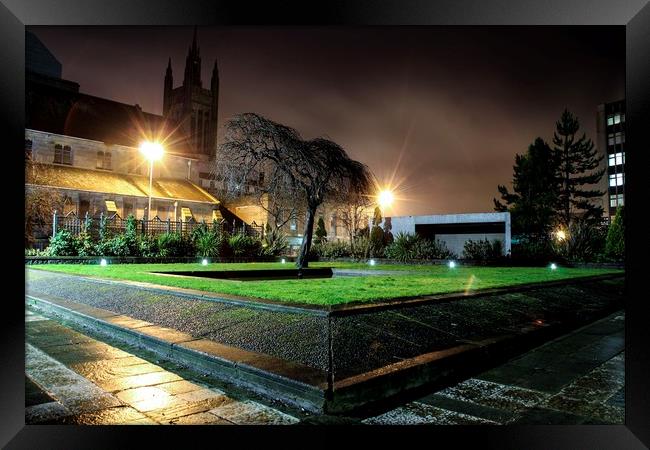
<point x="73" y="378"/>
<point x="576" y="379"/>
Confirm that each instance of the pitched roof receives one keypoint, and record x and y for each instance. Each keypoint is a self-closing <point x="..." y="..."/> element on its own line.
<point x="68" y="177"/>
<point x="55" y="107"/>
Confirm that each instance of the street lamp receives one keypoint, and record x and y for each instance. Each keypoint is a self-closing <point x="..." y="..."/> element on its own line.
<point x="385" y="198"/>
<point x="152" y="151"/>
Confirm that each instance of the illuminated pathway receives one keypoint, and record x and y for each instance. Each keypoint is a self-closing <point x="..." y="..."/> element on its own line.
<point x="72" y="378"/>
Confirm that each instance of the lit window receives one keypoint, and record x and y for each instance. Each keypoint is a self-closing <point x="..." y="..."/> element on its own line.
<point x="610" y="139"/>
<point x="186" y="213"/>
<point x="619" y="138"/>
<point x="617" y="118"/>
<point x="293" y="226"/>
<point x="616" y="179"/>
<point x="110" y="206"/>
<point x="616" y="159"/>
<point x="616" y="200"/>
<point x="610" y="120"/>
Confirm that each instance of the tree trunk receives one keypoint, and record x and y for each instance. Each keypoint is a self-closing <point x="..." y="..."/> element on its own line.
<point x="303" y="257"/>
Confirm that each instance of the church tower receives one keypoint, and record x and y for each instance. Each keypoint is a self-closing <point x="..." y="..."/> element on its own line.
<point x="192" y="108"/>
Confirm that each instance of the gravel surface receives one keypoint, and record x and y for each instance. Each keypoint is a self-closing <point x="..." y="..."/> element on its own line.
<point x="291" y="336"/>
<point x="360" y="342"/>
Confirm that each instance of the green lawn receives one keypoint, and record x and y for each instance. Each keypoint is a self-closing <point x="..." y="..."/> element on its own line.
<point x="331" y="291"/>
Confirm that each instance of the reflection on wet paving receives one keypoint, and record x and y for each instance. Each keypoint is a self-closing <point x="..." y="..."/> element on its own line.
<point x="74" y="379"/>
<point x="576" y="379"/>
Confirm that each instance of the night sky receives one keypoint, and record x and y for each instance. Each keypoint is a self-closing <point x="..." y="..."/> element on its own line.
<point x="445" y="109"/>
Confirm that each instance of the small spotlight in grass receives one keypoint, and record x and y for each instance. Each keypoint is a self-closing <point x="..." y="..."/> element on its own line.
<point x="204" y="262"/>
<point x="283" y="261"/>
<point x="372" y="262"/>
<point x="452" y="264"/>
<point x="553" y="266"/>
<point x="103" y="262"/>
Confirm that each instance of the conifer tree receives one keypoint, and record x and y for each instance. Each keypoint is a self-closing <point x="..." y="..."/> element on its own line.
<point x="578" y="168"/>
<point x="535" y="191"/>
<point x="615" y="243"/>
<point x="321" y="232"/>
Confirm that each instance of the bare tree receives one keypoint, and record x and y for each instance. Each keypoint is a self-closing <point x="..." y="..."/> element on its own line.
<point x="39" y="208"/>
<point x="312" y="170"/>
<point x="352" y="212"/>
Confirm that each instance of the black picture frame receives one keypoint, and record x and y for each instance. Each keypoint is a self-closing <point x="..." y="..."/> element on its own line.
<point x="634" y="15"/>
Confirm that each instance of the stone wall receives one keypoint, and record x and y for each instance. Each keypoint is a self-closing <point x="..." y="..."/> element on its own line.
<point x="127" y="160"/>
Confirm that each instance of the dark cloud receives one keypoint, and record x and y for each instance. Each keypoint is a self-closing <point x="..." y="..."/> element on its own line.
<point x="455" y="102"/>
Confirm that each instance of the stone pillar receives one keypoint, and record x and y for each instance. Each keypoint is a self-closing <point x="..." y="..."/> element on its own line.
<point x="508" y="234"/>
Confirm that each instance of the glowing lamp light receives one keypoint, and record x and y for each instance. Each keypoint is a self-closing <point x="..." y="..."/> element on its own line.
<point x="204" y="262"/>
<point x="151" y="150"/>
<point x="385" y="198"/>
<point x="372" y="262"/>
<point x="560" y="235"/>
<point x="452" y="264"/>
<point x="283" y="261"/>
<point x="553" y="266"/>
<point x="103" y="262"/>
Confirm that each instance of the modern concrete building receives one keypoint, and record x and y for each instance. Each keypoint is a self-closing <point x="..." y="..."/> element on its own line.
<point x="611" y="143"/>
<point x="456" y="229"/>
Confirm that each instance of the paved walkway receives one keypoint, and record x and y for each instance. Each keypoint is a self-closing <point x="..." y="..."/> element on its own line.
<point x="72" y="378"/>
<point x="576" y="379"/>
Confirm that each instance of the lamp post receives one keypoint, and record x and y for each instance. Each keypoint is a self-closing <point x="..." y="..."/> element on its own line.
<point x="152" y="151"/>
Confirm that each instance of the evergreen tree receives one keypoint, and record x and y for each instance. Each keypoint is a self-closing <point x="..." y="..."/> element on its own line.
<point x="535" y="191"/>
<point x="578" y="164"/>
<point x="615" y="243"/>
<point x="388" y="234"/>
<point x="376" y="233"/>
<point x="321" y="232"/>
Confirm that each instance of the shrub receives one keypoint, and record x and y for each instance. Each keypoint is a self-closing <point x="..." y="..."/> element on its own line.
<point x="333" y="249"/>
<point x="63" y="243"/>
<point x="615" y="242"/>
<point x="585" y="241"/>
<point x="483" y="250"/>
<point x="431" y="249"/>
<point x="275" y="243"/>
<point x="207" y="243"/>
<point x="403" y="247"/>
<point x="84" y="244"/>
<point x="147" y="246"/>
<point x="243" y="245"/>
<point x="532" y="249"/>
<point x="118" y="245"/>
<point x="361" y="247"/>
<point x="35" y="252"/>
<point x="174" y="244"/>
<point x="131" y="235"/>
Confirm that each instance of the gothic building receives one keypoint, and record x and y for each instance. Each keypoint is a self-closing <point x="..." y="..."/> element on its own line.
<point x="192" y="107"/>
